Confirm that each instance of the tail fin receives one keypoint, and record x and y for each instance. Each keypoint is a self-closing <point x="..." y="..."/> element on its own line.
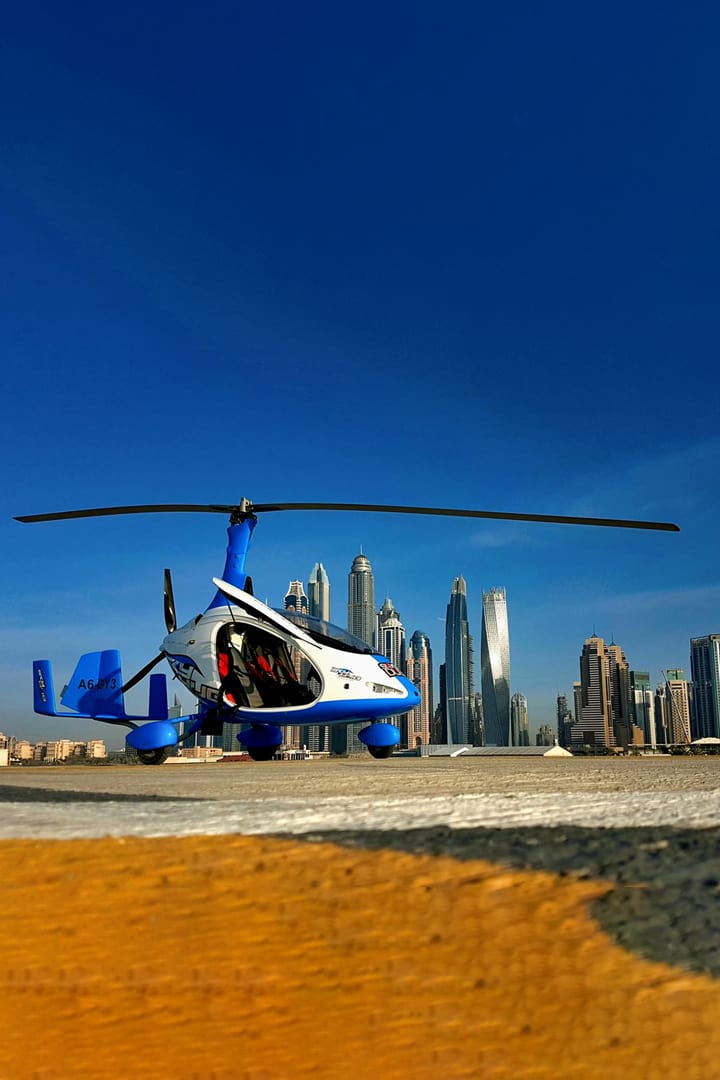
<point x="96" y="686"/>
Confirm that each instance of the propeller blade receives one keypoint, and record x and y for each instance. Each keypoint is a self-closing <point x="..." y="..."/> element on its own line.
<point x="140" y="675"/>
<point x="169" y="603"/>
<point x="247" y="509"/>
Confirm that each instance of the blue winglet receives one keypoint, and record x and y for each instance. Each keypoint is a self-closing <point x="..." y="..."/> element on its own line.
<point x="43" y="689"/>
<point x="158" y="701"/>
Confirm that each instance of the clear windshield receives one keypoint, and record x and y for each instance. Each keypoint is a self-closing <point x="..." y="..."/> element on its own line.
<point x="326" y="633"/>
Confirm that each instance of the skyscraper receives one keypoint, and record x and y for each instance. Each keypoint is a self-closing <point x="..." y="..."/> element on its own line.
<point x="459" y="681"/>
<point x="565" y="721"/>
<point x="675" y="706"/>
<point x="361" y="600"/>
<point x="593" y="715"/>
<point x="495" y="668"/>
<point x="620" y="701"/>
<point x="603" y="701"/>
<point x="438" y="726"/>
<point x="295" y="598"/>
<point x="390" y="635"/>
<point x="705" y="671"/>
<point x="420" y="672"/>
<point x="319" y="593"/>
<point x="643" y="703"/>
<point x="520" y="729"/>
<point x="361" y="623"/>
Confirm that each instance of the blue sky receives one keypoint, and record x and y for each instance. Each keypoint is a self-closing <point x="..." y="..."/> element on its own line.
<point x="458" y="254"/>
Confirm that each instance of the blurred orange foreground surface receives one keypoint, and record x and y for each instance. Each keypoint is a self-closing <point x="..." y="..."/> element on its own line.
<point x="266" y="959"/>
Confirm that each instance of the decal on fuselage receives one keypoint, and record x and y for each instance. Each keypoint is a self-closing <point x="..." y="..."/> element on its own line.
<point x="346" y="673"/>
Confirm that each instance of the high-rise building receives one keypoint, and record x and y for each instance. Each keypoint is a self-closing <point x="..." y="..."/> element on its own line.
<point x="495" y="668"/>
<point x="593" y="713"/>
<point x="565" y="721"/>
<point x="295" y="598"/>
<point x="519" y="726"/>
<point x="675" y="706"/>
<point x="361" y="623"/>
<point x="319" y="593"/>
<point x="390" y="634"/>
<point x="439" y="727"/>
<point x="620" y="701"/>
<point x="544" y="735"/>
<point x="420" y="673"/>
<point x="459" y="682"/>
<point x="476" y="734"/>
<point x="361" y="600"/>
<point x="705" y="672"/>
<point x="643" y="704"/>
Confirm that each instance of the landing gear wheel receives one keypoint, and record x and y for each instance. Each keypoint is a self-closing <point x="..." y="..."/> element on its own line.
<point x="152" y="757"/>
<point x="262" y="753"/>
<point x="381" y="751"/>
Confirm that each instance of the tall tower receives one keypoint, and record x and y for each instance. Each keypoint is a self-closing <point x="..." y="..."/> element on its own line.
<point x="676" y="706"/>
<point x="459" y="686"/>
<point x="295" y="598"/>
<point x="361" y="623"/>
<point x="593" y="715"/>
<point x="643" y="704"/>
<point x="705" y="670"/>
<point x="390" y="635"/>
<point x="319" y="593"/>
<point x="420" y="672"/>
<point x="565" y="721"/>
<point x="495" y="668"/>
<point x="361" y="600"/>
<point x="620" y="701"/>
<point x="520" y="728"/>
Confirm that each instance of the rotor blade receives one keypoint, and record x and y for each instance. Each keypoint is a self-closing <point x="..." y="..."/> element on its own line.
<point x="140" y="675"/>
<point x="444" y="512"/>
<point x="169" y="603"/>
<point x="249" y="508"/>
<point x="107" y="511"/>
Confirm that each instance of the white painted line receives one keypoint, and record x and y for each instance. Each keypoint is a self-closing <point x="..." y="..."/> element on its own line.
<point x="160" y="817"/>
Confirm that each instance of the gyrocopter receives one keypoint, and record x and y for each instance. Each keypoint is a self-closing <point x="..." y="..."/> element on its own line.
<point x="247" y="663"/>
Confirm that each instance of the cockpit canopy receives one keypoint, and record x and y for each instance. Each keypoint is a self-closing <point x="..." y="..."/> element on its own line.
<point x="326" y="633"/>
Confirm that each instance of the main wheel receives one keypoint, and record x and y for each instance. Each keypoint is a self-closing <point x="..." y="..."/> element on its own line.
<point x="152" y="757"/>
<point x="381" y="751"/>
<point x="262" y="753"/>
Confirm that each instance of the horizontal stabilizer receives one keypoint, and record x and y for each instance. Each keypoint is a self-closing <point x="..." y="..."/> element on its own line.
<point x="95" y="691"/>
